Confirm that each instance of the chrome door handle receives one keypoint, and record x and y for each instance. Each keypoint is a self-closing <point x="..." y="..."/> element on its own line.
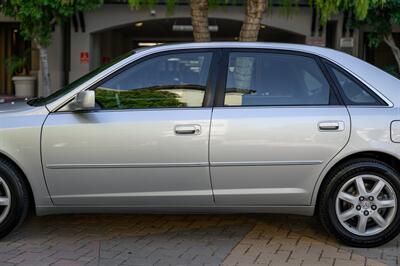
<point x="331" y="126"/>
<point x="187" y="130"/>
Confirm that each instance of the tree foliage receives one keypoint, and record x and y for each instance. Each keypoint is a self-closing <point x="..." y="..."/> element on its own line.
<point x="359" y="7"/>
<point x="38" y="17"/>
<point x="381" y="20"/>
<point x="378" y="15"/>
<point x="136" y="4"/>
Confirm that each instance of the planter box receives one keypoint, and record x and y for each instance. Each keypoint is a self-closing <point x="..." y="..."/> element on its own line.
<point x="24" y="86"/>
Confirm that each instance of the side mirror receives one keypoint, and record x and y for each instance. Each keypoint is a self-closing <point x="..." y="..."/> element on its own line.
<point x="84" y="100"/>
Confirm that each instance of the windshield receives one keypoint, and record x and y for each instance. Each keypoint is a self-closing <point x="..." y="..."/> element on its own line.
<point x="40" y="101"/>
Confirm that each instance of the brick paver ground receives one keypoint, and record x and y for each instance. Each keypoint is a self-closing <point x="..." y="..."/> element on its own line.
<point x="183" y="240"/>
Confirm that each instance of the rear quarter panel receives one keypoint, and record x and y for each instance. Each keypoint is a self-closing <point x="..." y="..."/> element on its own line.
<point x="370" y="131"/>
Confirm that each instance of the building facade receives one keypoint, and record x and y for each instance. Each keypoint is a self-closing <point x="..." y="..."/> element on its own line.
<point x="93" y="38"/>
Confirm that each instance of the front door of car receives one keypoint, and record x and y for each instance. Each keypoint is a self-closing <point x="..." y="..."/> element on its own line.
<point x="145" y="145"/>
<point x="277" y="126"/>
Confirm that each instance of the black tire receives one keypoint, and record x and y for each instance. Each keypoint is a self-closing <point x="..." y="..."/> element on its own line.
<point x="19" y="197"/>
<point x="330" y="188"/>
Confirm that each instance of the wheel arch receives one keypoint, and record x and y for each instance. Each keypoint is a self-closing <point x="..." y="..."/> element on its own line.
<point x="378" y="155"/>
<point x="24" y="178"/>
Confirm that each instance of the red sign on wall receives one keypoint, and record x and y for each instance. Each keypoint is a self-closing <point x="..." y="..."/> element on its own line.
<point x="84" y="57"/>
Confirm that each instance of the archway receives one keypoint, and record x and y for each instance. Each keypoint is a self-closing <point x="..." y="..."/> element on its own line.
<point x="112" y="42"/>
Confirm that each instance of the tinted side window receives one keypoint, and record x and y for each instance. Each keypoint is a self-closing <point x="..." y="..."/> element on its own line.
<point x="174" y="80"/>
<point x="275" y="79"/>
<point x="353" y="92"/>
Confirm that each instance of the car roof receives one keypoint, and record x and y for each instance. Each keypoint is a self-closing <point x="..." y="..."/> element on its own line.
<point x="243" y="45"/>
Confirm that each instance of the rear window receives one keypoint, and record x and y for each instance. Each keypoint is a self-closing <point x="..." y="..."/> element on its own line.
<point x="353" y="92"/>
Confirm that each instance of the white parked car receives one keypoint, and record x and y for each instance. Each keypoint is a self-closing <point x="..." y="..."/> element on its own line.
<point x="213" y="127"/>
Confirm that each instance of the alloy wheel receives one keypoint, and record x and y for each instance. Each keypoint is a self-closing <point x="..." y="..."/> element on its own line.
<point x="5" y="200"/>
<point x="366" y="205"/>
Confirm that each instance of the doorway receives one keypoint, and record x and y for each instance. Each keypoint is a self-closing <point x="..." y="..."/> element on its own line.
<point x="11" y="44"/>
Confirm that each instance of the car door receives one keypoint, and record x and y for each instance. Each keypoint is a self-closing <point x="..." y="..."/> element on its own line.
<point x="277" y="124"/>
<point x="145" y="145"/>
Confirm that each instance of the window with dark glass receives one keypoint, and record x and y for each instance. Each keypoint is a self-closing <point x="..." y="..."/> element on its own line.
<point x="256" y="79"/>
<point x="167" y="81"/>
<point x="353" y="92"/>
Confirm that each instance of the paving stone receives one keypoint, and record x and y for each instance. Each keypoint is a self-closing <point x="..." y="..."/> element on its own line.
<point x="290" y="240"/>
<point x="107" y="240"/>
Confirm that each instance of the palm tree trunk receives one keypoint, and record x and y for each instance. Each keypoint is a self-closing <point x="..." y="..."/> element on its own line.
<point x="252" y="21"/>
<point x="389" y="40"/>
<point x="44" y="63"/>
<point x="199" y="11"/>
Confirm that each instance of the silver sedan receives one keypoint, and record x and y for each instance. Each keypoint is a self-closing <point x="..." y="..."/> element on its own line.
<point x="213" y="127"/>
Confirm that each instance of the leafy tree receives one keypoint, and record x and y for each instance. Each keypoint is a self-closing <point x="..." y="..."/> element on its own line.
<point x="379" y="15"/>
<point x="359" y="7"/>
<point x="381" y="19"/>
<point x="37" y="19"/>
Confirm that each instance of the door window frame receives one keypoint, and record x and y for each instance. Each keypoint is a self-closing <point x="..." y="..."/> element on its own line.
<point x="335" y="98"/>
<point x="328" y="65"/>
<point x="210" y="88"/>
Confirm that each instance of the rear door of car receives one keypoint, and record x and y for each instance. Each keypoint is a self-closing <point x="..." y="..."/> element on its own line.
<point x="277" y="122"/>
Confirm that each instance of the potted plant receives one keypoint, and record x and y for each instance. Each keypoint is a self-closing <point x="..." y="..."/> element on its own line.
<point x="24" y="83"/>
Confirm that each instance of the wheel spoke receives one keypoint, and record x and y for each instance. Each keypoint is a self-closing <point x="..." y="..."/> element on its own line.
<point x="361" y="186"/>
<point x="4" y="201"/>
<point x="347" y="197"/>
<point x="386" y="203"/>
<point x="379" y="220"/>
<point x="378" y="188"/>
<point x="350" y="213"/>
<point x="362" y="224"/>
